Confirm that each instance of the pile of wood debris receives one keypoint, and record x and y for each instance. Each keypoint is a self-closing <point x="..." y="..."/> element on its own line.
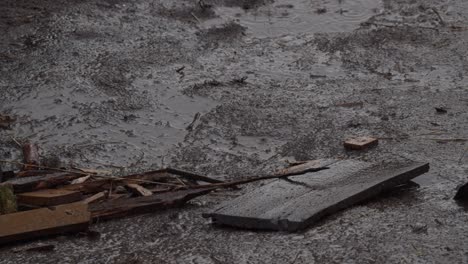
<point x="39" y="201"/>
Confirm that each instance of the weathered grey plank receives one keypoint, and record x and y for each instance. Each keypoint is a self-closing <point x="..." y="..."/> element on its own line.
<point x="297" y="202"/>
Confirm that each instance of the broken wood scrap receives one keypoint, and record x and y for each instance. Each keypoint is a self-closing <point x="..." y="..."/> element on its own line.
<point x="164" y="177"/>
<point x="306" y="166"/>
<point x="117" y="196"/>
<point x="360" y="143"/>
<point x="91" y="186"/>
<point x="80" y="180"/>
<point x="297" y="203"/>
<point x="144" y="204"/>
<point x="49" y="197"/>
<point x="30" y="156"/>
<point x="312" y="166"/>
<point x="107" y="183"/>
<point x="48" y="221"/>
<point x="33" y="183"/>
<point x="139" y="190"/>
<point x="96" y="197"/>
<point x="7" y="199"/>
<point x="34" y="172"/>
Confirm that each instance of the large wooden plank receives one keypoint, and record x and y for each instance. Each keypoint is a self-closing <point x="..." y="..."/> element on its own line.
<point x="295" y="203"/>
<point x="49" y="197"/>
<point x="44" y="222"/>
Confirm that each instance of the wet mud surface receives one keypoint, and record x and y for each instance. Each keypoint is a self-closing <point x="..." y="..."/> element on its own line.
<point x="233" y="88"/>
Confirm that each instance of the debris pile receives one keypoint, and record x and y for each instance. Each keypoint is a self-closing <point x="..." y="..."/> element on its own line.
<point x="36" y="203"/>
<point x="40" y="201"/>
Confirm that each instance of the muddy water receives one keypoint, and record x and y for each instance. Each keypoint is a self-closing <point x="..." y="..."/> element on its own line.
<point x="71" y="120"/>
<point x="300" y="16"/>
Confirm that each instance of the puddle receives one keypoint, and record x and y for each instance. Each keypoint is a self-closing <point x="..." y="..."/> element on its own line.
<point x="89" y="126"/>
<point x="302" y="16"/>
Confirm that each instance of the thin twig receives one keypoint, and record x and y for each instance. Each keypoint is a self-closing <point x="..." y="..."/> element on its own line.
<point x="442" y="22"/>
<point x="179" y="180"/>
<point x="198" y="20"/>
<point x="254" y="179"/>
<point x="16" y="141"/>
<point x="462" y="155"/>
<point x="449" y="139"/>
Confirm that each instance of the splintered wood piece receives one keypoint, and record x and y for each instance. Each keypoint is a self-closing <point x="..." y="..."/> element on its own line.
<point x="36" y="172"/>
<point x="360" y="143"/>
<point x="7" y="199"/>
<point x="139" y="190"/>
<point x="42" y="222"/>
<point x="49" y="197"/>
<point x="144" y="204"/>
<point x="306" y="166"/>
<point x="80" y="180"/>
<point x="33" y="183"/>
<point x="107" y="183"/>
<point x="297" y="202"/>
<point x="97" y="197"/>
<point x="30" y="156"/>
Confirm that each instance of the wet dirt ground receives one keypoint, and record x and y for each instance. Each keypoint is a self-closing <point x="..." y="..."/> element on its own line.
<point x="116" y="84"/>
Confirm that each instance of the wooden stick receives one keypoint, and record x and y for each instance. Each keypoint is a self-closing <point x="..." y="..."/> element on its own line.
<point x="30" y="155"/>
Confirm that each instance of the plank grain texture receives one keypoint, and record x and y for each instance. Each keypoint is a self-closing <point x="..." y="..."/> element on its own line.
<point x="296" y="202"/>
<point x="42" y="222"/>
<point x="49" y="197"/>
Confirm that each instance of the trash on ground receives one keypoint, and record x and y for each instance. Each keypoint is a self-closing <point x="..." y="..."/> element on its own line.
<point x="296" y="202"/>
<point x="359" y="143"/>
<point x="441" y="110"/>
<point x="462" y="193"/>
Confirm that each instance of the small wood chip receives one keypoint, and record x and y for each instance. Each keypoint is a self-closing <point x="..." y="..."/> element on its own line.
<point x="360" y="143"/>
<point x="96" y="197"/>
<point x="139" y="190"/>
<point x="80" y="180"/>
